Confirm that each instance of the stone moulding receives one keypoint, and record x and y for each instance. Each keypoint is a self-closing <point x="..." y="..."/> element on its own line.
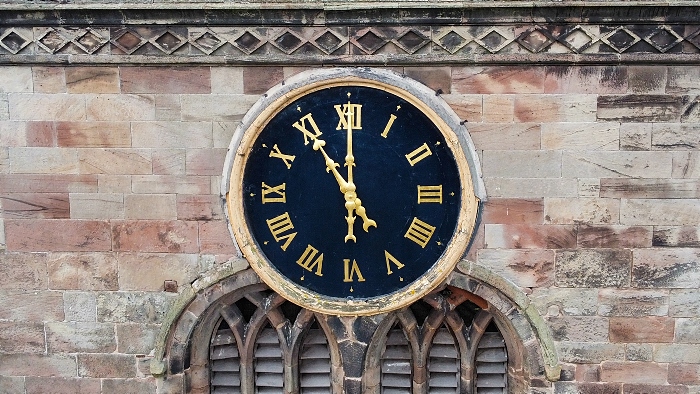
<point x="329" y="34"/>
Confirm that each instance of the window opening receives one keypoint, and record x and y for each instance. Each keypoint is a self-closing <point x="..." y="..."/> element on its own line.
<point x="268" y="362"/>
<point x="491" y="362"/>
<point x="396" y="363"/>
<point x="225" y="361"/>
<point x="443" y="363"/>
<point x="315" y="363"/>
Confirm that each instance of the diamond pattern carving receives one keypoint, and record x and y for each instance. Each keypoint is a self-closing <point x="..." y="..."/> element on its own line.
<point x="369" y="42"/>
<point x="249" y="41"/>
<point x="578" y="39"/>
<point x="52" y="41"/>
<point x="620" y="39"/>
<point x="411" y="41"/>
<point x="128" y="41"/>
<point x="207" y="42"/>
<point x="663" y="39"/>
<point x="694" y="38"/>
<point x="13" y="41"/>
<point x="328" y="41"/>
<point x="287" y="41"/>
<point x="535" y="40"/>
<point x="89" y="41"/>
<point x="168" y="42"/>
<point x="492" y="40"/>
<point x="453" y="40"/>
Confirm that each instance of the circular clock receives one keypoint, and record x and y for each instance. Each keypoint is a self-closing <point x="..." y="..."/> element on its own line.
<point x="350" y="195"/>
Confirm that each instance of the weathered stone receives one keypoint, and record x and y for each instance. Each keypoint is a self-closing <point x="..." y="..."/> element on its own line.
<point x="13" y="133"/>
<point x="23" y="271"/>
<point x="688" y="374"/>
<point x="49" y="79"/>
<point x="155" y="236"/>
<point x="687" y="330"/>
<point x="602" y="164"/>
<point x="513" y="211"/>
<point x="58" y="385"/>
<point x="498" y="187"/>
<point x="43" y="160"/>
<point x="587" y="388"/>
<point x="660" y="212"/>
<point x="106" y="365"/>
<point x="34" y="306"/>
<point x="506" y="136"/>
<point x="468" y="107"/>
<point x="555" y="108"/>
<point x="646" y="79"/>
<point x="585" y="79"/>
<point x="581" y="136"/>
<point x="635" y="136"/>
<point x="568" y="302"/>
<point x="684" y="302"/>
<point x="114" y="184"/>
<point x="258" y="80"/>
<point x="136" y="338"/>
<point x="639" y="352"/>
<point x="614" y="236"/>
<point x="578" y="328"/>
<point x="675" y="136"/>
<point x="199" y="207"/>
<point x="618" y="302"/>
<point x="189" y="135"/>
<point x="93" y="134"/>
<point x="641" y="108"/>
<point x="686" y="164"/>
<point x="136" y="307"/>
<point x="75" y="337"/>
<point x="34" y="206"/>
<point x="168" y="107"/>
<point x="649" y="329"/>
<point x="678" y="236"/>
<point x="530" y="236"/>
<point x="677" y="353"/>
<point x="168" y="161"/>
<point x="148" y="272"/>
<point x="19" y="337"/>
<point x="214" y="238"/>
<point x="82" y="271"/>
<point x="682" y="80"/>
<point x="96" y="206"/>
<point x="115" y="161"/>
<point x="633" y="372"/>
<point x="436" y="78"/>
<point x="589" y="352"/>
<point x="121" y="107"/>
<point x="216" y="107"/>
<point x="675" y="268"/>
<point x="37" y="365"/>
<point x="499" y="108"/>
<point x="205" y="161"/>
<point x="165" y="184"/>
<point x="174" y="80"/>
<point x="513" y="79"/>
<point x="650" y="188"/>
<point x="12" y="385"/>
<point x="227" y="80"/>
<point x="587" y="373"/>
<point x="150" y="206"/>
<point x="53" y="107"/>
<point x="80" y="306"/>
<point x="41" y="183"/>
<point x="525" y="268"/>
<point x="223" y="133"/>
<point x="654" y="388"/>
<point x="92" y="79"/>
<point x="15" y="79"/>
<point x="593" y="268"/>
<point x="581" y="210"/>
<point x="142" y="385"/>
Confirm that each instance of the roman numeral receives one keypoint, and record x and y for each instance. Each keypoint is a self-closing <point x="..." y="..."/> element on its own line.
<point x="392" y="118"/>
<point x="301" y="126"/>
<point x="351" y="271"/>
<point x="287" y="159"/>
<point x="279" y="227"/>
<point x="354" y="111"/>
<point x="307" y="260"/>
<point x="429" y="194"/>
<point x="419" y="154"/>
<point x="391" y="259"/>
<point x="419" y="232"/>
<point x="278" y="191"/>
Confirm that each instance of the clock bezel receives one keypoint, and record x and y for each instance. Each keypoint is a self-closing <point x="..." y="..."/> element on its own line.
<point x="247" y="134"/>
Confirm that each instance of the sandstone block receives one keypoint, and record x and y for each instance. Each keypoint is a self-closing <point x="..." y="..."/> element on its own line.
<point x="15" y="79"/>
<point x="216" y="107"/>
<point x="555" y="108"/>
<point x="589" y="352"/>
<point x="646" y="79"/>
<point x="161" y="134"/>
<point x="43" y="160"/>
<point x="13" y="133"/>
<point x="650" y="329"/>
<point x="150" y="206"/>
<point x="654" y="388"/>
<point x="136" y="338"/>
<point x="686" y="164"/>
<point x="41" y="134"/>
<point x="505" y="136"/>
<point x="578" y="328"/>
<point x="585" y="79"/>
<point x="75" y="337"/>
<point x="678" y="236"/>
<point x="82" y="271"/>
<point x="674" y="268"/>
<point x="436" y="78"/>
<point x="155" y="236"/>
<point x="581" y="210"/>
<point x="677" y="353"/>
<point x="223" y="133"/>
<point x="660" y="212"/>
<point x="3" y="244"/>
<point x="687" y="330"/>
<point x="675" y="136"/>
<point x="58" y="385"/>
<point x="513" y="211"/>
<point x="173" y="80"/>
<point x="29" y="183"/>
<point x="530" y="187"/>
<point x="23" y="271"/>
<point x="639" y="352"/>
<point x="601" y="164"/>
<point x="589" y="187"/>
<point x="522" y="164"/>
<point x="49" y="79"/>
<point x="143" y="385"/>
<point x="581" y="136"/>
<point x="80" y="306"/>
<point x="641" y="108"/>
<point x="633" y="303"/>
<point x="92" y="79"/>
<point x="12" y="384"/>
<point x="593" y="268"/>
<point x="684" y="303"/>
<point x="227" y="80"/>
<point x="467" y="106"/>
<point x="93" y="134"/>
<point x="173" y="384"/>
<point x="167" y="184"/>
<point x="650" y="188"/>
<point x="96" y="206"/>
<point x="688" y="374"/>
<point x="4" y="160"/>
<point x="499" y="108"/>
<point x="587" y="388"/>
<point x="59" y="235"/>
<point x="168" y="107"/>
<point x="682" y="80"/>
<point x="512" y="79"/>
<point x="169" y="161"/>
<point x="257" y="80"/>
<point x="106" y="365"/>
<point x="635" y="136"/>
<point x="133" y="307"/>
<point x="34" y="306"/>
<point x="59" y="365"/>
<point x="633" y="372"/>
<point x="114" y="184"/>
<point x="147" y="272"/>
<point x="199" y="207"/>
<point x="54" y="107"/>
<point x="34" y="206"/>
<point x="518" y="236"/>
<point x="21" y="337"/>
<point x="587" y="373"/>
<point x="214" y="238"/>
<point x="120" y="107"/>
<point x="4" y="106"/>
<point x="205" y="161"/>
<point x="115" y="161"/>
<point x="525" y="268"/>
<point x="614" y="236"/>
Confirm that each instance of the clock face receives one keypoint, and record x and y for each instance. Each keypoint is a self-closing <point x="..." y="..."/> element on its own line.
<point x="351" y="193"/>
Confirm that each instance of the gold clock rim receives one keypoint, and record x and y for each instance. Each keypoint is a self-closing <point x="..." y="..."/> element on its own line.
<point x="427" y="282"/>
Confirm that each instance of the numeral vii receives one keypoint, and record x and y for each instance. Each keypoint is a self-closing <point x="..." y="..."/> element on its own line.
<point x="419" y="232"/>
<point x="280" y="227"/>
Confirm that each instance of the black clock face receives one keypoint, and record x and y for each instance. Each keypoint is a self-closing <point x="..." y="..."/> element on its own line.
<point x="351" y="192"/>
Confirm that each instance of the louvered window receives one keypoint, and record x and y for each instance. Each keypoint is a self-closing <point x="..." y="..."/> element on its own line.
<point x="396" y="363"/>
<point x="443" y="364"/>
<point x="315" y="363"/>
<point x="268" y="362"/>
<point x="491" y="363"/>
<point x="225" y="361"/>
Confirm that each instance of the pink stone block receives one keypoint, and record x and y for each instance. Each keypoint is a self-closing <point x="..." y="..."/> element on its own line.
<point x="500" y="79"/>
<point x="215" y="238"/>
<point x="34" y="206"/>
<point x="59" y="235"/>
<point x="176" y="80"/>
<point x="155" y="236"/>
<point x="521" y="236"/>
<point x="513" y="211"/>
